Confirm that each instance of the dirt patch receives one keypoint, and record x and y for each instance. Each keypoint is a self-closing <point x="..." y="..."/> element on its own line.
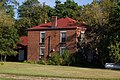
<point x="32" y="77"/>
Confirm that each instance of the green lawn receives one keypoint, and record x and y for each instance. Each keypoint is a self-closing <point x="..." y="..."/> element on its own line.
<point x="6" y="79"/>
<point x="26" y="69"/>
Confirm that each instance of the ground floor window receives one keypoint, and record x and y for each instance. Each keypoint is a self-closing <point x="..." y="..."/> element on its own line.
<point x="42" y="51"/>
<point x="62" y="50"/>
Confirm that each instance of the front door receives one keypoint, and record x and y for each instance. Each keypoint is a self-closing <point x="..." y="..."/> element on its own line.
<point x="21" y="55"/>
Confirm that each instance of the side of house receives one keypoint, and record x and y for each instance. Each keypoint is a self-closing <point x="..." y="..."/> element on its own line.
<point x="46" y="42"/>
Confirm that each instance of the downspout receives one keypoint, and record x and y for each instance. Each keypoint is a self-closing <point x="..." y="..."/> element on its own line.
<point x="48" y="46"/>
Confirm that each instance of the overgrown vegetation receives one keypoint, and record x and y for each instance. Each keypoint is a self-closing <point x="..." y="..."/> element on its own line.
<point x="57" y="59"/>
<point x="102" y="16"/>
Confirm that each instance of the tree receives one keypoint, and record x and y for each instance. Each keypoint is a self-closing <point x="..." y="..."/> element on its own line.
<point x="31" y="13"/>
<point x="8" y="35"/>
<point x="110" y="51"/>
<point x="113" y="34"/>
<point x="68" y="9"/>
<point x="97" y="16"/>
<point x="8" y="6"/>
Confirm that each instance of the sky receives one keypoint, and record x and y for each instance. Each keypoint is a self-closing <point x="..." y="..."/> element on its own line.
<point x="52" y="2"/>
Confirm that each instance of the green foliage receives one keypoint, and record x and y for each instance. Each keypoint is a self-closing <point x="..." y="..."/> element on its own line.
<point x="113" y="34"/>
<point x="114" y="52"/>
<point x="68" y="9"/>
<point x="8" y="35"/>
<point x="8" y="40"/>
<point x="31" y="13"/>
<point x="111" y="50"/>
<point x="103" y="18"/>
<point x="55" y="59"/>
<point x="66" y="58"/>
<point x="42" y="61"/>
<point x="8" y="6"/>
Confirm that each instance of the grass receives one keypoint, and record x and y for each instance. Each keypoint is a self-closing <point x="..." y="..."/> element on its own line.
<point x="6" y="79"/>
<point x="38" y="70"/>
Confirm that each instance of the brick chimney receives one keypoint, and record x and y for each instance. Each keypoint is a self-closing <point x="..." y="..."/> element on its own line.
<point x="54" y="21"/>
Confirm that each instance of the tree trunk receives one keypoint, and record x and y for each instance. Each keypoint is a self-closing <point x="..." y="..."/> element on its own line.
<point x="1" y="58"/>
<point x="5" y="58"/>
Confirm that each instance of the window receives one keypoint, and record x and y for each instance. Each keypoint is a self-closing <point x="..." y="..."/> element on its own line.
<point x="42" y="51"/>
<point x="62" y="36"/>
<point x="42" y="37"/>
<point x="82" y="36"/>
<point x="62" y="50"/>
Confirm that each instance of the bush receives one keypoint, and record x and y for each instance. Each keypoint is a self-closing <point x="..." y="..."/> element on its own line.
<point x="55" y="59"/>
<point x="42" y="61"/>
<point x="66" y="58"/>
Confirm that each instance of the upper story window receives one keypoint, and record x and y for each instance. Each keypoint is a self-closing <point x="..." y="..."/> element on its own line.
<point x="42" y="37"/>
<point x="63" y="36"/>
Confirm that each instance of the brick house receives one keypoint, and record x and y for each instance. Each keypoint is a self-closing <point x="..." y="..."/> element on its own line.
<point x="53" y="37"/>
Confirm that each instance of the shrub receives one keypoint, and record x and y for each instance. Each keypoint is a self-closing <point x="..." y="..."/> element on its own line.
<point x="55" y="59"/>
<point x="42" y="61"/>
<point x="66" y="58"/>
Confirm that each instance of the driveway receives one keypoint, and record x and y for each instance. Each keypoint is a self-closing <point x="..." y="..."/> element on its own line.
<point x="33" y="77"/>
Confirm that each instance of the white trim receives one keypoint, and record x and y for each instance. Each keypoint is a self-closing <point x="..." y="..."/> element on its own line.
<point x="63" y="31"/>
<point x="40" y="35"/>
<point x="61" y="50"/>
<point x="41" y="52"/>
<point x="61" y="35"/>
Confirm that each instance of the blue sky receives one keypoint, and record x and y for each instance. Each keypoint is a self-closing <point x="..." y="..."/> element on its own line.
<point x="52" y="2"/>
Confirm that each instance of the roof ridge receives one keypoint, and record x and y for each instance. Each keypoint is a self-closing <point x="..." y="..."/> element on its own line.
<point x="61" y="23"/>
<point x="70" y="19"/>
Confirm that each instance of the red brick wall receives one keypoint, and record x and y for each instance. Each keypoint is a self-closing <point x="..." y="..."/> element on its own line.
<point x="33" y="45"/>
<point x="34" y="40"/>
<point x="54" y="40"/>
<point x="71" y="41"/>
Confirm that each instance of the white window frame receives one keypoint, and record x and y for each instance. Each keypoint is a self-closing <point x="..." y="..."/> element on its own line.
<point x="41" y="51"/>
<point x="61" y="35"/>
<point x="41" y="35"/>
<point x="61" y="50"/>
